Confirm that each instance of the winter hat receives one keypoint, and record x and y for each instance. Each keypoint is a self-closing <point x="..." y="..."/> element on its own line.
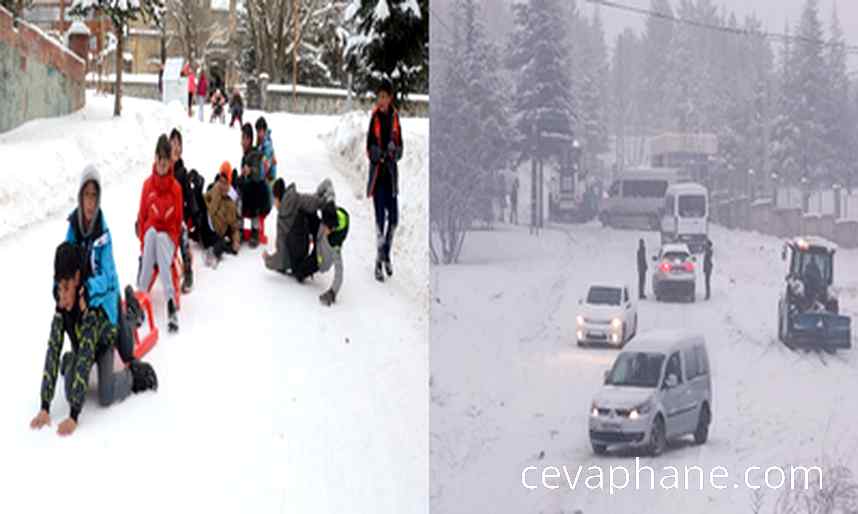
<point x="226" y="171"/>
<point x="90" y="174"/>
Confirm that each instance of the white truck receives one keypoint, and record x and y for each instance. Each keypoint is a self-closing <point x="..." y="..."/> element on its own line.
<point x="685" y="216"/>
<point x="636" y="197"/>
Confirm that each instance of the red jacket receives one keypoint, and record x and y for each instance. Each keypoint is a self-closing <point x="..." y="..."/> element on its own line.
<point x="160" y="206"/>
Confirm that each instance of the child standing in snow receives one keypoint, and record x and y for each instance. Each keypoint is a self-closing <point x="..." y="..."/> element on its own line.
<point x="236" y="107"/>
<point x="190" y="208"/>
<point x="384" y="149"/>
<point x="159" y="226"/>
<point x="224" y="234"/>
<point x="202" y="92"/>
<point x="188" y="71"/>
<point x="254" y="191"/>
<point x="266" y="148"/>
<point x="297" y="223"/>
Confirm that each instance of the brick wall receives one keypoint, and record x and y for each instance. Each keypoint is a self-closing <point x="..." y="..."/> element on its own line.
<point x="39" y="77"/>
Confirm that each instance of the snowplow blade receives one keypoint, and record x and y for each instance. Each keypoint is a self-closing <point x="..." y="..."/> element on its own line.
<point x="821" y="330"/>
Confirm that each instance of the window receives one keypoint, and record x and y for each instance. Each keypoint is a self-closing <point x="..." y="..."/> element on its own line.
<point x="692" y="206"/>
<point x="636" y="188"/>
<point x="674" y="367"/>
<point x="691" y="364"/>
<point x="669" y="204"/>
<point x="603" y="296"/>
<point x="675" y="256"/>
<point x="636" y="369"/>
<point x="702" y="361"/>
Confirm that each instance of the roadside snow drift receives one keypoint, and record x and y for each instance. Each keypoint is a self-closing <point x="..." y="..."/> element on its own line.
<point x="268" y="402"/>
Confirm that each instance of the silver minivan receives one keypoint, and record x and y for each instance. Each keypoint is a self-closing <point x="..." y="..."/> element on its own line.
<point x="659" y="388"/>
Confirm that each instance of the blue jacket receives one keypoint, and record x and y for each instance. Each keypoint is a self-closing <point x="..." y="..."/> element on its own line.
<point x="102" y="282"/>
<point x="267" y="150"/>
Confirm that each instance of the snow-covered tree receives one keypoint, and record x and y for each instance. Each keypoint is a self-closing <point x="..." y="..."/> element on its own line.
<point x="195" y="27"/>
<point x="590" y="57"/>
<point x="839" y="121"/>
<point x="656" y="46"/>
<point x="469" y="131"/>
<point x="392" y="41"/>
<point x="120" y="13"/>
<point x="539" y="51"/>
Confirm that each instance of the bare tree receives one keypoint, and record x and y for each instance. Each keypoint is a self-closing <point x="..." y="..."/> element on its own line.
<point x="195" y="26"/>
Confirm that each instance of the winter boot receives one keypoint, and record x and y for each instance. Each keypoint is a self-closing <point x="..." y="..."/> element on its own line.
<point x="210" y="259"/>
<point x="328" y="298"/>
<point x="388" y="267"/>
<point x="187" y="276"/>
<point x="172" y="317"/>
<point x="254" y="238"/>
<point x="133" y="308"/>
<point x="379" y="275"/>
<point x="143" y="377"/>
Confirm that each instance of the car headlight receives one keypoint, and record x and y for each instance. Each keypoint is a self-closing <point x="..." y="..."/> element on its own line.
<point x="640" y="410"/>
<point x="580" y="320"/>
<point x="594" y="411"/>
<point x="616" y="323"/>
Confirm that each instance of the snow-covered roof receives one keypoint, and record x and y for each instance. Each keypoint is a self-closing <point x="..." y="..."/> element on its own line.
<point x="687" y="188"/>
<point x="78" y="28"/>
<point x="663" y="341"/>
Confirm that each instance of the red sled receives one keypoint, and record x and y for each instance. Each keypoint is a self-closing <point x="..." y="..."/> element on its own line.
<point x="144" y="343"/>
<point x="245" y="232"/>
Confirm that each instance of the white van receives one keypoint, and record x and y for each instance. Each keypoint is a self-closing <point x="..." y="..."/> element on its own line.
<point x="659" y="388"/>
<point x="685" y="216"/>
<point x="636" y="197"/>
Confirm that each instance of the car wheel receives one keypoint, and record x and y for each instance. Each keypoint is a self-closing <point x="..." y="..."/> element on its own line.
<point x="599" y="449"/>
<point x="657" y="437"/>
<point x="701" y="433"/>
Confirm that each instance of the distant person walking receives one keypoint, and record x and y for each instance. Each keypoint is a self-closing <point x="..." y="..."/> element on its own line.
<point x="707" y="264"/>
<point x="642" y="269"/>
<point x="513" y="202"/>
<point x="188" y="71"/>
<point x="202" y="92"/>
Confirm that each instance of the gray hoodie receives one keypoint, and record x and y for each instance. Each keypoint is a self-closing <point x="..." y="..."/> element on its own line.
<point x="90" y="174"/>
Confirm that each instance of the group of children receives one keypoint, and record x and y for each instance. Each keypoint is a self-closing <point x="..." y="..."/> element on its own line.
<point x="173" y="211"/>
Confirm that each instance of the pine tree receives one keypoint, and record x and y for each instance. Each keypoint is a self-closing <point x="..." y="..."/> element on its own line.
<point x="392" y="42"/>
<point x="658" y="40"/>
<point x="120" y="13"/>
<point x="838" y="122"/>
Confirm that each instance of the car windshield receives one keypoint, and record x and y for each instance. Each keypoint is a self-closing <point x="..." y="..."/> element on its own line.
<point x="822" y="261"/>
<point x="692" y="206"/>
<point x="604" y="296"/>
<point x="636" y="369"/>
<point x="674" y="256"/>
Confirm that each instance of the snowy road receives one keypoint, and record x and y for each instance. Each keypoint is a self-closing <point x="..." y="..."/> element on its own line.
<point x="268" y="402"/>
<point x="510" y="389"/>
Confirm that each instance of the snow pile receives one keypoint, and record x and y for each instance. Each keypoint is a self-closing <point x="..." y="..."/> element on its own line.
<point x="348" y="147"/>
<point x="43" y="158"/>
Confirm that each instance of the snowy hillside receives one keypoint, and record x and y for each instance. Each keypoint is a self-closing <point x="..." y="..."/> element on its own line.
<point x="268" y="402"/>
<point x="510" y="388"/>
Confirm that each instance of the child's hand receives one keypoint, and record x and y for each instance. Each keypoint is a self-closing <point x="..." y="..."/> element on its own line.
<point x="41" y="419"/>
<point x="265" y="255"/>
<point x="67" y="427"/>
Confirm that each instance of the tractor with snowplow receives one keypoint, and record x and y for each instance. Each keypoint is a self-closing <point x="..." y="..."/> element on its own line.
<point x="808" y="308"/>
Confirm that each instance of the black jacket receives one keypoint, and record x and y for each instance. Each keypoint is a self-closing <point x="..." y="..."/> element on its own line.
<point x="642" y="266"/>
<point x="707" y="260"/>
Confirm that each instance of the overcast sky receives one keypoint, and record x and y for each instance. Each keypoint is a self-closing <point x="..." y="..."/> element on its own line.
<point x="774" y="13"/>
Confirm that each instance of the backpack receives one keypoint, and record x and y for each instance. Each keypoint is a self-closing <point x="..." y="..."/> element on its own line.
<point x="339" y="233"/>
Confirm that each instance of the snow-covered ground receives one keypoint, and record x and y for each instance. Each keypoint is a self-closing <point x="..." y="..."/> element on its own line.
<point x="510" y="389"/>
<point x="268" y="402"/>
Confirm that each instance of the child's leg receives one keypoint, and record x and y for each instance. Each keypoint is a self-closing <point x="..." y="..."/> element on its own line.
<point x="164" y="251"/>
<point x="330" y="257"/>
<point x="95" y="328"/>
<point x="380" y="218"/>
<point x="392" y="223"/>
<point x="112" y="386"/>
<point x="147" y="265"/>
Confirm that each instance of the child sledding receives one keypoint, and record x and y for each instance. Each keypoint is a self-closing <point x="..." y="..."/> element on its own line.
<point x="310" y="232"/>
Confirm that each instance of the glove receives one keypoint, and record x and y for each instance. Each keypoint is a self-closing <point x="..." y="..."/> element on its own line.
<point x="391" y="151"/>
<point x="374" y="154"/>
<point x="143" y="377"/>
<point x="328" y="297"/>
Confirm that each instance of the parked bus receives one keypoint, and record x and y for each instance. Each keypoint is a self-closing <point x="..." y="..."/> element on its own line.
<point x="636" y="198"/>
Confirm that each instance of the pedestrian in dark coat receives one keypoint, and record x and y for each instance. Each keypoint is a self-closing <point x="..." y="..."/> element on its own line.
<point x="642" y="268"/>
<point x="707" y="265"/>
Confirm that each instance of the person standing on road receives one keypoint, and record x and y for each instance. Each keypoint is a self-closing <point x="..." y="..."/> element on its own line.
<point x="707" y="264"/>
<point x="202" y="92"/>
<point x="513" y="202"/>
<point x="642" y="268"/>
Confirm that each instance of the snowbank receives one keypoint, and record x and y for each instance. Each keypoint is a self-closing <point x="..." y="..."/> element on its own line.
<point x="348" y="146"/>
<point x="42" y="159"/>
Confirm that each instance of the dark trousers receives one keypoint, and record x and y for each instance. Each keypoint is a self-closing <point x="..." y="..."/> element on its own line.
<point x="386" y="219"/>
<point x="641" y="284"/>
<point x="708" y="274"/>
